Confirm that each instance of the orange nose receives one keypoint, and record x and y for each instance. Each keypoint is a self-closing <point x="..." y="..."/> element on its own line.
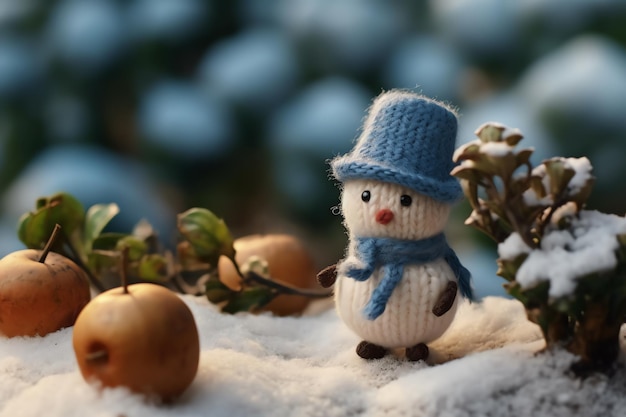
<point x="384" y="216"/>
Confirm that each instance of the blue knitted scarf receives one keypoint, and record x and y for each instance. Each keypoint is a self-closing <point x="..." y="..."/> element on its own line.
<point x="391" y="255"/>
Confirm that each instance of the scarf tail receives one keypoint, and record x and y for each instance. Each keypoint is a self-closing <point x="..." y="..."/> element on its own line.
<point x="392" y="274"/>
<point x="462" y="274"/>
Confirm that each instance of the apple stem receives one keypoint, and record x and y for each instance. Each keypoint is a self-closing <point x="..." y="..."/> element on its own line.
<point x="49" y="243"/>
<point x="123" y="276"/>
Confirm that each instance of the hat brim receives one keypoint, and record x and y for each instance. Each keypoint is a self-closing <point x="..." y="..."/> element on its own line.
<point x="447" y="190"/>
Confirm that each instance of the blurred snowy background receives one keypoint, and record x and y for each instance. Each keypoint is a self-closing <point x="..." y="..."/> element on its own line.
<point x="161" y="105"/>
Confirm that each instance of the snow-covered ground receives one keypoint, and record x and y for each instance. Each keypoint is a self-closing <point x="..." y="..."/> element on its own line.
<point x="485" y="365"/>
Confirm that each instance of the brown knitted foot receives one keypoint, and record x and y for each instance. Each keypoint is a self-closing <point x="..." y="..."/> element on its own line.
<point x="418" y="352"/>
<point x="446" y="299"/>
<point x="368" y="350"/>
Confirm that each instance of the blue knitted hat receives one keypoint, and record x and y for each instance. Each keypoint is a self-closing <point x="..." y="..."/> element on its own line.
<point x="409" y="140"/>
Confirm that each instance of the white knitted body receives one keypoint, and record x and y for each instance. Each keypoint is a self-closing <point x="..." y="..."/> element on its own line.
<point x="408" y="319"/>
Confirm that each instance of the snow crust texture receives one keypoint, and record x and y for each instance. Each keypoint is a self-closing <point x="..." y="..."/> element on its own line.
<point x="485" y="365"/>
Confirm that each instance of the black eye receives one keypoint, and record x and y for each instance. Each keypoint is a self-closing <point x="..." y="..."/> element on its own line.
<point x="405" y="200"/>
<point x="366" y="195"/>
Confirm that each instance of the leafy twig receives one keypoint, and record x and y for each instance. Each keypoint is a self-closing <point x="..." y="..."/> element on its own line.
<point x="283" y="288"/>
<point x="204" y="239"/>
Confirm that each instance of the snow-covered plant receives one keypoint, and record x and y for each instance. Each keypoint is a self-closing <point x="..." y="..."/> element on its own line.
<point x="567" y="265"/>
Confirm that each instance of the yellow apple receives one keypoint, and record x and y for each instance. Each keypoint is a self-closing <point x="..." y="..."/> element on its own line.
<point x="288" y="260"/>
<point x="145" y="339"/>
<point x="39" y="297"/>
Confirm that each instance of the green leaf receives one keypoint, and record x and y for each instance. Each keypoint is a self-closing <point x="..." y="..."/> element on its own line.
<point x="143" y="230"/>
<point x="216" y="291"/>
<point x="187" y="258"/>
<point x="208" y="235"/>
<point x="136" y="247"/>
<point x="41" y="202"/>
<point x="103" y="260"/>
<point x="98" y="216"/>
<point x="34" y="228"/>
<point x="107" y="241"/>
<point x="28" y="232"/>
<point x="66" y="210"/>
<point x="249" y="299"/>
<point x="153" y="267"/>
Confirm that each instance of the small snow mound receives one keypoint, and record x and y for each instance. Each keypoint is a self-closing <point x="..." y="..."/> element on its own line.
<point x="582" y="168"/>
<point x="582" y="175"/>
<point x="511" y="110"/>
<point x="513" y="247"/>
<point x="566" y="255"/>
<point x="496" y="148"/>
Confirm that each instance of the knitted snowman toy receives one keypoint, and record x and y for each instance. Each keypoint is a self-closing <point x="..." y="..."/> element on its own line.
<point x="397" y="285"/>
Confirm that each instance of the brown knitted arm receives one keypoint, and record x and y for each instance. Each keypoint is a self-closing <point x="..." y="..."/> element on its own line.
<point x="446" y="299"/>
<point x="327" y="276"/>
